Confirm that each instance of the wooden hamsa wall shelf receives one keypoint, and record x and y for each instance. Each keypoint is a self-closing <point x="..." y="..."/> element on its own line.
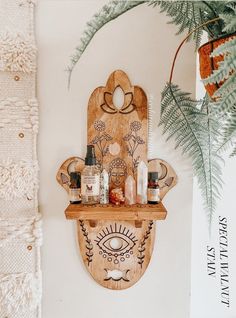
<point x="116" y="241"/>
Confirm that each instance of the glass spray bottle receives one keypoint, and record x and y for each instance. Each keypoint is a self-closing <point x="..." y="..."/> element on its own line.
<point x="90" y="178"/>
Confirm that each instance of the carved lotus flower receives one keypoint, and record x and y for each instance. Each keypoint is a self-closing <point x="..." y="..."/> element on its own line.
<point x="109" y="107"/>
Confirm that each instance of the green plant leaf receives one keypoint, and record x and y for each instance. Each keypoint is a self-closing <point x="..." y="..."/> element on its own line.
<point x="188" y="15"/>
<point x="227" y="102"/>
<point x="226" y="67"/>
<point x="109" y="12"/>
<point x="229" y="17"/>
<point x="196" y="132"/>
<point x="228" y="46"/>
<point x="233" y="154"/>
<point x="226" y="88"/>
<point x="185" y="14"/>
<point x="228" y="136"/>
<point x="225" y="76"/>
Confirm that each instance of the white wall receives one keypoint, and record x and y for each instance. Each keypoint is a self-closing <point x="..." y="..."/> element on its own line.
<point x="206" y="298"/>
<point x="142" y="44"/>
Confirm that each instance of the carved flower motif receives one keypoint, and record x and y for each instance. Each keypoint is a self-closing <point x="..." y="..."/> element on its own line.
<point x="95" y="140"/>
<point x="127" y="108"/>
<point x="107" y="137"/>
<point x="99" y="125"/>
<point x="135" y="126"/>
<point x="139" y="140"/>
<point x="127" y="137"/>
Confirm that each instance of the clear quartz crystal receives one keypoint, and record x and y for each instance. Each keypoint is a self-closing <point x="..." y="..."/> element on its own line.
<point x="90" y="185"/>
<point x="142" y="183"/>
<point x="104" y="187"/>
<point x="130" y="190"/>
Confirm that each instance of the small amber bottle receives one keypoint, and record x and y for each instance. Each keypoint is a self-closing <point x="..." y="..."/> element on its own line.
<point x="75" y="188"/>
<point x="153" y="192"/>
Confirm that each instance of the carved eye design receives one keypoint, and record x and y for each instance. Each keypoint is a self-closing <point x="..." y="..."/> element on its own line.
<point x="116" y="242"/>
<point x="118" y="174"/>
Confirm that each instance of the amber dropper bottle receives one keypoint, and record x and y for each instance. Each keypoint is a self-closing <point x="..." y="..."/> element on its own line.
<point x="74" y="188"/>
<point x="153" y="192"/>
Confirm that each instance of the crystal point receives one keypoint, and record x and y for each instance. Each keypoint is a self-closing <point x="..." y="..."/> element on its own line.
<point x="104" y="187"/>
<point x="142" y="182"/>
<point x="130" y="190"/>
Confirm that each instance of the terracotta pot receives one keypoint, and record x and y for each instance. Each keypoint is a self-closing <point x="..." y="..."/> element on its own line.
<point x="209" y="64"/>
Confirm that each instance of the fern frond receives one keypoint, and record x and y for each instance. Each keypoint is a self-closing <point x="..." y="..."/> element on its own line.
<point x="180" y="118"/>
<point x="227" y="47"/>
<point x="229" y="17"/>
<point x="187" y="15"/>
<point x="225" y="74"/>
<point x="226" y="88"/>
<point x="228" y="133"/>
<point x="228" y="102"/>
<point x="226" y="67"/>
<point x="230" y="22"/>
<point x="109" y="12"/>
<point x="233" y="154"/>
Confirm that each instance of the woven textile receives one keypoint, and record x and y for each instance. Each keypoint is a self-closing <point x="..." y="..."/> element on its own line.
<point x="18" y="179"/>
<point x="18" y="291"/>
<point x="20" y="221"/>
<point x="28" y="230"/>
<point x="23" y="114"/>
<point x="17" y="82"/>
<point x="17" y="52"/>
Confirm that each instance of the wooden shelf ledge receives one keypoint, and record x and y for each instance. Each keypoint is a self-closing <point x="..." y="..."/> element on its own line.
<point x="135" y="212"/>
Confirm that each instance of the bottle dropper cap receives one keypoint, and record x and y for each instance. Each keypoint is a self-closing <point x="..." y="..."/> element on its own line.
<point x="153" y="176"/>
<point x="75" y="178"/>
<point x="90" y="159"/>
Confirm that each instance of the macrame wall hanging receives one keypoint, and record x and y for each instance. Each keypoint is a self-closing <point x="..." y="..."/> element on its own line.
<point x="116" y="242"/>
<point x="20" y="222"/>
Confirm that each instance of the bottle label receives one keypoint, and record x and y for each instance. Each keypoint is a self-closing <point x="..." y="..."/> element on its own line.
<point x="74" y="195"/>
<point x="153" y="195"/>
<point x="90" y="185"/>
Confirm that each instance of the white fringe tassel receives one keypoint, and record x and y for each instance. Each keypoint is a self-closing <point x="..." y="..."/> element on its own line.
<point x="28" y="230"/>
<point x="17" y="52"/>
<point x="19" y="292"/>
<point x="18" y="179"/>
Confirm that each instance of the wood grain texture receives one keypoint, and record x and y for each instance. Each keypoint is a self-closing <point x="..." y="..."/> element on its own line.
<point x="69" y="165"/>
<point x="112" y="212"/>
<point x="130" y="260"/>
<point x="119" y="135"/>
<point x="120" y="140"/>
<point x="166" y="174"/>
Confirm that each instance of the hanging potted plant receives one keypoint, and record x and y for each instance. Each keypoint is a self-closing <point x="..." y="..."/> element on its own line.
<point x="209" y="63"/>
<point x="201" y="128"/>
